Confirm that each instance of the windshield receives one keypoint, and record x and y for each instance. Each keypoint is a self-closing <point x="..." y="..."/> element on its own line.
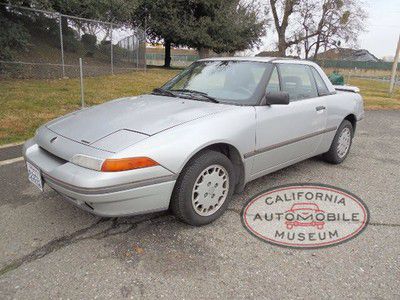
<point x="232" y="81"/>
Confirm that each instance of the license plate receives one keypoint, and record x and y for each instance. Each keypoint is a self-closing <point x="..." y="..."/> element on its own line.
<point x="34" y="176"/>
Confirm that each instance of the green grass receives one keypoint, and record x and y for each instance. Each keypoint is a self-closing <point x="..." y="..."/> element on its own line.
<point x="26" y="104"/>
<point x="376" y="95"/>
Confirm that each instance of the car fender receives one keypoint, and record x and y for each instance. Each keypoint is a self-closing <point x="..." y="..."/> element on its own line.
<point x="174" y="147"/>
<point x="339" y="106"/>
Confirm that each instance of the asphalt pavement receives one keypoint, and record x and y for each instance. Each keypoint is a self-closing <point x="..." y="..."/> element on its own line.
<point x="10" y="152"/>
<point x="51" y="249"/>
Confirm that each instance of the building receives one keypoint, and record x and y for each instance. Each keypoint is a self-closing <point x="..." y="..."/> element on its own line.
<point x="348" y="54"/>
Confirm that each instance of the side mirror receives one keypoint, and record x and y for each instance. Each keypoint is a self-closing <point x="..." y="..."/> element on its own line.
<point x="276" y="98"/>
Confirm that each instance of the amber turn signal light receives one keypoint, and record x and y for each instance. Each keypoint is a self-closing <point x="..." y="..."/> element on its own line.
<point x="125" y="164"/>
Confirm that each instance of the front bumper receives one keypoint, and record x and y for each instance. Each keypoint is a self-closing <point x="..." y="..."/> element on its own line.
<point x="102" y="193"/>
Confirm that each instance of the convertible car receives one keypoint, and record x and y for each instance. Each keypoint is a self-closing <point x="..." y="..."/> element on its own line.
<point x="190" y="144"/>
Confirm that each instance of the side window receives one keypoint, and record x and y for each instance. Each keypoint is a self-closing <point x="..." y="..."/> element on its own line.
<point x="297" y="80"/>
<point x="273" y="83"/>
<point x="321" y="86"/>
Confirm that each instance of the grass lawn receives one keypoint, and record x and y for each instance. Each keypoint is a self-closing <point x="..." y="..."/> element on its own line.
<point x="26" y="104"/>
<point x="375" y="94"/>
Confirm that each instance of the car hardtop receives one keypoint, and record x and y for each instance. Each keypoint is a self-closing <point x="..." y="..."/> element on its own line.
<point x="284" y="60"/>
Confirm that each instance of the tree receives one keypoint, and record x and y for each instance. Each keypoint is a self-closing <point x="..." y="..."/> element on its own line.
<point x="102" y="10"/>
<point x="308" y="24"/>
<point x="224" y="26"/>
<point x="117" y="11"/>
<point x="313" y="24"/>
<point x="218" y="25"/>
<point x="164" y="21"/>
<point x="286" y="8"/>
<point x="340" y="22"/>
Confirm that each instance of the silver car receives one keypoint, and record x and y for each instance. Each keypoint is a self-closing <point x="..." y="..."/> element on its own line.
<point x="195" y="141"/>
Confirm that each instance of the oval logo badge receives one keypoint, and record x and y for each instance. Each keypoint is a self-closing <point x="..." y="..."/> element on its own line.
<point x="305" y="216"/>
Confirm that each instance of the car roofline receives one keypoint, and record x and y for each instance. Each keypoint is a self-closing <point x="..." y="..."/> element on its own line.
<point x="261" y="59"/>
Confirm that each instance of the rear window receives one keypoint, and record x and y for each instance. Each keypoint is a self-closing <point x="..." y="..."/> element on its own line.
<point x="321" y="86"/>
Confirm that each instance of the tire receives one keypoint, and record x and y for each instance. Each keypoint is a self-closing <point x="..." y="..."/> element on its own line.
<point x="336" y="153"/>
<point x="194" y="184"/>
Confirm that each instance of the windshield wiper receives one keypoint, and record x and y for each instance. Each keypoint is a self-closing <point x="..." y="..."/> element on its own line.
<point x="160" y="91"/>
<point x="202" y="94"/>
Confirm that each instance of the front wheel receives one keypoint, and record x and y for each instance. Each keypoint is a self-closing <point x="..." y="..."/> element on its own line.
<point x="341" y="144"/>
<point x="203" y="189"/>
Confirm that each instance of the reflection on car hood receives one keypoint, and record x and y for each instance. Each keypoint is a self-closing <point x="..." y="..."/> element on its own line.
<point x="146" y="114"/>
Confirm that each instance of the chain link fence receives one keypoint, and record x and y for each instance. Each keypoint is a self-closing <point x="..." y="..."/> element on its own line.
<point x="379" y="70"/>
<point x="177" y="60"/>
<point x="55" y="42"/>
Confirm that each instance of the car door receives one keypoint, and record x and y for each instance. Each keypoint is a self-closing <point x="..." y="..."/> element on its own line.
<point x="329" y="97"/>
<point x="287" y="133"/>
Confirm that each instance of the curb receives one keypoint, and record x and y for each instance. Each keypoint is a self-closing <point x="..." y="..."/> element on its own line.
<point x="11" y="161"/>
<point x="11" y="145"/>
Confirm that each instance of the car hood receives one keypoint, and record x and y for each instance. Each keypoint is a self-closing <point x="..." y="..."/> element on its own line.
<point x="146" y="114"/>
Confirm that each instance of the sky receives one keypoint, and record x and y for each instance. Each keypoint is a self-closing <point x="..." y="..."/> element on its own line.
<point x="383" y="28"/>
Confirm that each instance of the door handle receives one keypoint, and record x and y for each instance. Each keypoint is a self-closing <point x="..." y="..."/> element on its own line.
<point x="318" y="108"/>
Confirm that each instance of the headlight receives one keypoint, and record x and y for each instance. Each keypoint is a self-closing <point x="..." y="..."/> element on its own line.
<point x="112" y="165"/>
<point x="87" y="161"/>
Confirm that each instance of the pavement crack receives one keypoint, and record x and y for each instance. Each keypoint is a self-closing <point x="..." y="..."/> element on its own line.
<point x="115" y="228"/>
<point x="235" y="210"/>
<point x="383" y="224"/>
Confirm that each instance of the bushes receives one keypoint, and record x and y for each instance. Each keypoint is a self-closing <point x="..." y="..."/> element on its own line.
<point x="13" y="36"/>
<point x="33" y="32"/>
<point x="49" y="31"/>
<point x="70" y="41"/>
<point x="89" y="43"/>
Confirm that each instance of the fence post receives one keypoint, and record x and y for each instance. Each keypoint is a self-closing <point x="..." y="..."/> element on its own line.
<point x="394" y="68"/>
<point x="112" y="51"/>
<point x="61" y="45"/>
<point x="81" y="76"/>
<point x="145" y="44"/>
<point x="137" y="55"/>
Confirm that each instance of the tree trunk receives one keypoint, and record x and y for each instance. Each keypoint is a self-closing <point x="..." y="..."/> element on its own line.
<point x="317" y="45"/>
<point x="282" y="25"/>
<point x="167" y="58"/>
<point x="307" y="49"/>
<point x="203" y="52"/>
<point x="282" y="44"/>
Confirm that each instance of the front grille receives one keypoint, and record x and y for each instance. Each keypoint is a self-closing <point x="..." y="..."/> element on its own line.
<point x="55" y="157"/>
